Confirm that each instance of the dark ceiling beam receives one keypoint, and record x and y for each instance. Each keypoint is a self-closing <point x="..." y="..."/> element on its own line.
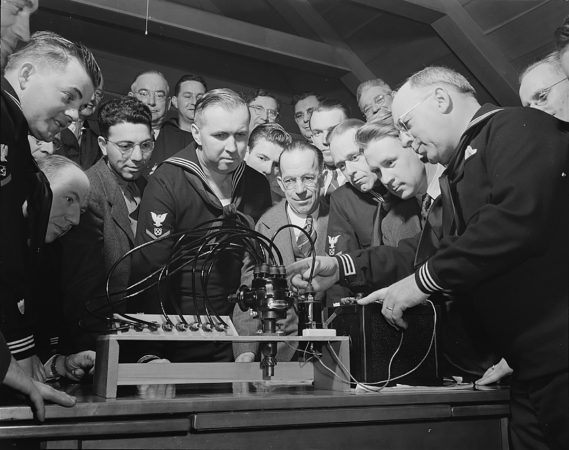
<point x="194" y="26"/>
<point x="417" y="12"/>
<point x="486" y="62"/>
<point x="359" y="71"/>
<point x="464" y="37"/>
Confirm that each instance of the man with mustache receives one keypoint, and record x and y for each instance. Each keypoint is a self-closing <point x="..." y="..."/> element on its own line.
<point x="300" y="167"/>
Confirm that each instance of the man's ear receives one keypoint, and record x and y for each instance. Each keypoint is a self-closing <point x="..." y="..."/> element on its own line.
<point x="281" y="184"/>
<point x="102" y="145"/>
<point x="131" y="94"/>
<point x="27" y="70"/>
<point x="168" y="102"/>
<point x="196" y="134"/>
<point x="175" y="102"/>
<point x="444" y="100"/>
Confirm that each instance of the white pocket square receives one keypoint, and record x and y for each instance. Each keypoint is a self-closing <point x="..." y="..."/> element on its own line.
<point x="469" y="152"/>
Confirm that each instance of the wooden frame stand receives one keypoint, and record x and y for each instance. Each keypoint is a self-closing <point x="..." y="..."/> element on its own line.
<point x="329" y="371"/>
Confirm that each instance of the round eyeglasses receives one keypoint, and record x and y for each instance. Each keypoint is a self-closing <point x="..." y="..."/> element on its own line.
<point x="261" y="111"/>
<point x="126" y="148"/>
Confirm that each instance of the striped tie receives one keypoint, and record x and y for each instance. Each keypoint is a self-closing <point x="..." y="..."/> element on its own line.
<point x="302" y="242"/>
<point x="334" y="184"/>
<point x="425" y="208"/>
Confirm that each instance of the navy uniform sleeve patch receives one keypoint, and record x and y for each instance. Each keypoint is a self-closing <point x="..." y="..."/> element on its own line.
<point x="332" y="240"/>
<point x="157" y="221"/>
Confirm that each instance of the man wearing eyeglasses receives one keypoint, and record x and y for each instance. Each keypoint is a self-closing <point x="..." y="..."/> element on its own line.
<point x="300" y="178"/>
<point x="108" y="226"/>
<point x="362" y="213"/>
<point x="544" y="86"/>
<point x="152" y="89"/>
<point x="374" y="99"/>
<point x="504" y="238"/>
<point x="263" y="107"/>
<point x="176" y="133"/>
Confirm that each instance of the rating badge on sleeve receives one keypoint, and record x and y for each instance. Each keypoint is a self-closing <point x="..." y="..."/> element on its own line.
<point x="157" y="221"/>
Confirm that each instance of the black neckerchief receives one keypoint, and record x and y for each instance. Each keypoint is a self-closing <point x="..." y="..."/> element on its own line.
<point x="187" y="159"/>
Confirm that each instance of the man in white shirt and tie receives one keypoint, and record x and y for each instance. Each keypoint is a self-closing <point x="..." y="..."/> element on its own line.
<point x="301" y="179"/>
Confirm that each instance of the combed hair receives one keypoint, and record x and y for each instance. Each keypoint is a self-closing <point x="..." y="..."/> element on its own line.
<point x="46" y="47"/>
<point x="189" y="77"/>
<point x="562" y="35"/>
<point x="226" y="98"/>
<point x="303" y="95"/>
<point x="301" y="145"/>
<point x="51" y="165"/>
<point x="328" y="104"/>
<point x="344" y="126"/>
<point x="270" y="132"/>
<point x="552" y="59"/>
<point x="440" y="74"/>
<point x="262" y="93"/>
<point x="123" y="110"/>
<point x="370" y="83"/>
<point x="376" y="129"/>
<point x="149" y="72"/>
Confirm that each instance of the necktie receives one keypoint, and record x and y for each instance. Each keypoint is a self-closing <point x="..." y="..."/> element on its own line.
<point x="302" y="242"/>
<point x="425" y="206"/>
<point x="333" y="183"/>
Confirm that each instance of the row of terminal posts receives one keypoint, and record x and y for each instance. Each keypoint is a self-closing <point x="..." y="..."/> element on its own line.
<point x="180" y="326"/>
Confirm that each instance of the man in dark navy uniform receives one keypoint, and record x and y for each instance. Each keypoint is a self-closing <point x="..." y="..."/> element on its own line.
<point x="44" y="85"/>
<point x="203" y="182"/>
<point x="503" y="239"/>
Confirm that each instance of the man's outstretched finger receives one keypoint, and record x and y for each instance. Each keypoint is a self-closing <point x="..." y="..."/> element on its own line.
<point x="375" y="297"/>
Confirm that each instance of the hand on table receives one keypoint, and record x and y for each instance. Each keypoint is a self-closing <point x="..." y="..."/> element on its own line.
<point x="495" y="373"/>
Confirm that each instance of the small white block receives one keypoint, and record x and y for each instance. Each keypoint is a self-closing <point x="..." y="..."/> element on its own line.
<point x="319" y="332"/>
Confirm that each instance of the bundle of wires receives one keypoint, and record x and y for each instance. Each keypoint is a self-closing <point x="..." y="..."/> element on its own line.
<point x="197" y="249"/>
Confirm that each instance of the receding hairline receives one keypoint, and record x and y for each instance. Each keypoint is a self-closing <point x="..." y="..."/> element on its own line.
<point x="150" y="72"/>
<point x="226" y="107"/>
<point x="552" y="60"/>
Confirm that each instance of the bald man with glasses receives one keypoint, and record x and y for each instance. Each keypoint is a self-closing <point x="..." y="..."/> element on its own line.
<point x="503" y="244"/>
<point x="264" y="108"/>
<point x="544" y="86"/>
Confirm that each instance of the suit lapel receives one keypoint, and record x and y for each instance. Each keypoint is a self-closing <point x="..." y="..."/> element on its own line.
<point x="284" y="240"/>
<point x="115" y="199"/>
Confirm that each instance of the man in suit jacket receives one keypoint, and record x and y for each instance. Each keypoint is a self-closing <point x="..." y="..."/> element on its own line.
<point x="108" y="226"/>
<point x="300" y="178"/>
